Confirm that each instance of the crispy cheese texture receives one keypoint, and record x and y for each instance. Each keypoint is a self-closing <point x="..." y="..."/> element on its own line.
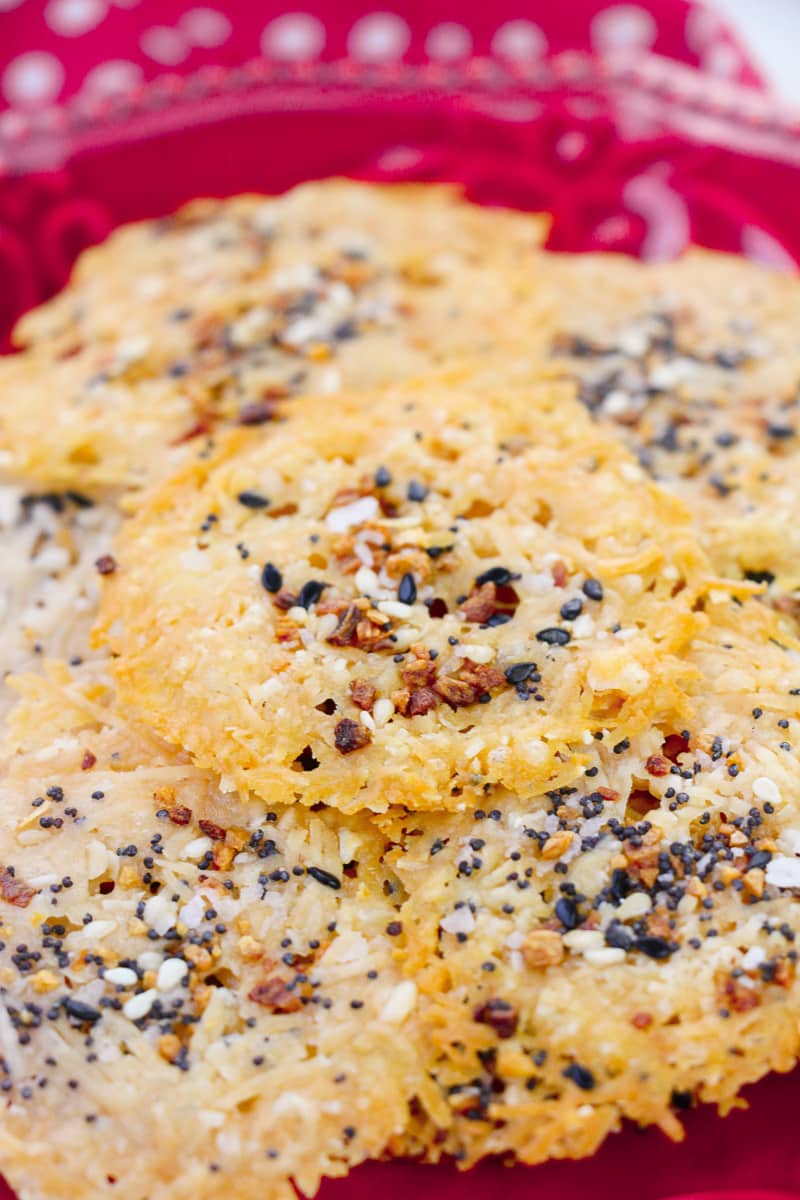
<point x="218" y="314"/>
<point x="203" y="997"/>
<point x="50" y="543"/>
<point x="696" y="365"/>
<point x="458" y="583"/>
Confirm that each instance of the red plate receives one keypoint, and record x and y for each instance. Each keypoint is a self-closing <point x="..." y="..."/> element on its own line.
<point x="636" y="154"/>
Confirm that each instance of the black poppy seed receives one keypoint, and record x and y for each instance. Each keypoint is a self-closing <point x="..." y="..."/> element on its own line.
<point x="416" y="491"/>
<point x="383" y="477"/>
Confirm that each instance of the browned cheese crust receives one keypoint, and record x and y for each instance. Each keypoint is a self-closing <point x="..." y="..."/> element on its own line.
<point x="696" y="365"/>
<point x="456" y="584"/>
<point x="220" y="313"/>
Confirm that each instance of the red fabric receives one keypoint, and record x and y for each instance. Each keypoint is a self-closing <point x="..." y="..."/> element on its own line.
<point x="72" y="38"/>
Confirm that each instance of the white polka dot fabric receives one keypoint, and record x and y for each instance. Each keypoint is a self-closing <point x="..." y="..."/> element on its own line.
<point x="53" y="49"/>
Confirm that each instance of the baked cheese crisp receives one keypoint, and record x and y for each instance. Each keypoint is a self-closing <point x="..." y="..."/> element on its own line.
<point x="696" y="364"/>
<point x="430" y="783"/>
<point x="217" y="315"/>
<point x="455" y="584"/>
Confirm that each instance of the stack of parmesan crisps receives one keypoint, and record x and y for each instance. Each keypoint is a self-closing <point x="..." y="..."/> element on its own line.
<point x="401" y="697"/>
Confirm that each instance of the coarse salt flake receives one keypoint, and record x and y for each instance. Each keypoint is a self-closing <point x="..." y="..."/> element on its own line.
<point x="784" y="872"/>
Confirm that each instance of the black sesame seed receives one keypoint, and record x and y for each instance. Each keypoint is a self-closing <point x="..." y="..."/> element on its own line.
<point x="310" y="592"/>
<point x="618" y="936"/>
<point x="592" y="588"/>
<point x="519" y="672"/>
<point x="567" y="913"/>
<point x="654" y="947"/>
<point x="498" y="575"/>
<point x="554" y="636"/>
<point x="81" y="1011"/>
<point x="571" y="609"/>
<point x="325" y="878"/>
<point x="581" y="1076"/>
<point x="271" y="578"/>
<point x="253" y="500"/>
<point x="407" y="591"/>
<point x="383" y="477"/>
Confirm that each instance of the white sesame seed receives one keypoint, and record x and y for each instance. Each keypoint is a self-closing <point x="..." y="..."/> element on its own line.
<point x="131" y="349"/>
<point x="139" y="1005"/>
<point x="400" y="1003"/>
<point x="583" y="627"/>
<point x="149" y="960"/>
<point x="754" y="957"/>
<point x="367" y="721"/>
<point x="404" y="636"/>
<point x="346" y="515"/>
<point x="99" y="929"/>
<point x="382" y="711"/>
<point x="326" y="625"/>
<point x="765" y="789"/>
<point x="196" y="848"/>
<point x="121" y="977"/>
<point x="298" y="614"/>
<point x="635" y="905"/>
<point x="171" y="972"/>
<point x="476" y="653"/>
<point x="616" y="403"/>
<point x="605" y="956"/>
<point x="460" y="920"/>
<point x="96" y="859"/>
<point x="583" y="939"/>
<point x="366" y="581"/>
<point x="784" y="872"/>
<point x="394" y="608"/>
